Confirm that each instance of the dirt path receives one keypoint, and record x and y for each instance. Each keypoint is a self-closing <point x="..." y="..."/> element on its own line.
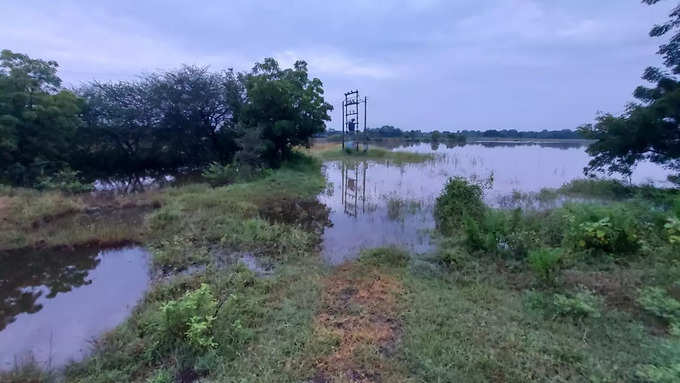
<point x="359" y="316"/>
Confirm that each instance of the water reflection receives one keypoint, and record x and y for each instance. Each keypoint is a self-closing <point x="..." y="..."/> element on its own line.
<point x="54" y="302"/>
<point x="375" y="204"/>
<point x="27" y="276"/>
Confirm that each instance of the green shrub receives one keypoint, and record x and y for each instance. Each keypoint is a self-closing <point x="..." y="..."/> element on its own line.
<point x="580" y="305"/>
<point x="672" y="227"/>
<point x="161" y="376"/>
<point x="459" y="201"/>
<point x="218" y="175"/>
<point x="188" y="321"/>
<point x="608" y="229"/>
<point x="658" y="302"/>
<point x="545" y="263"/>
<point x="665" y="362"/>
<point x="65" y="180"/>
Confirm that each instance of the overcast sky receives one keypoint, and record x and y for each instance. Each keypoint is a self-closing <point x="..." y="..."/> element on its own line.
<point x="424" y="64"/>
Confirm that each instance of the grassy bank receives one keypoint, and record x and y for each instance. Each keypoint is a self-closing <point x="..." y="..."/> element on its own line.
<point x="220" y="321"/>
<point x="583" y="292"/>
<point x="334" y="152"/>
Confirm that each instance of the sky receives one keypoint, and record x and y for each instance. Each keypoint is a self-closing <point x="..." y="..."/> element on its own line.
<point x="423" y="64"/>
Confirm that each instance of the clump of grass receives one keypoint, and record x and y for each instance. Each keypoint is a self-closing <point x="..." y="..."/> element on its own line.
<point x="545" y="263"/>
<point x="374" y="154"/>
<point x="579" y="305"/>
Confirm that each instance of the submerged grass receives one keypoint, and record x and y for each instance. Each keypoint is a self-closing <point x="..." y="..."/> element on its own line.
<point x="375" y="154"/>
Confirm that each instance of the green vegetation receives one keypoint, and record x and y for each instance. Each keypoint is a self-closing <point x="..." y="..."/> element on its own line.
<point x="221" y="322"/>
<point x="374" y="154"/>
<point x="163" y="122"/>
<point x="588" y="261"/>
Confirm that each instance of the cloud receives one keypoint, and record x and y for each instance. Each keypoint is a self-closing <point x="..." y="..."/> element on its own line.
<point x="332" y="62"/>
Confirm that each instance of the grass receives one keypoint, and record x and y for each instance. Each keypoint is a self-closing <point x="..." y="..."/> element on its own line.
<point x="51" y="218"/>
<point x="261" y="327"/>
<point x="335" y="153"/>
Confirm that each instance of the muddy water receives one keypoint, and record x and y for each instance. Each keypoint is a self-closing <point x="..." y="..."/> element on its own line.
<point x="375" y="204"/>
<point x="53" y="303"/>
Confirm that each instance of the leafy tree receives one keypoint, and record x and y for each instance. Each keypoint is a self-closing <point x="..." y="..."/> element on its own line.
<point x="649" y="129"/>
<point x="286" y="105"/>
<point x="38" y="119"/>
<point x="182" y="118"/>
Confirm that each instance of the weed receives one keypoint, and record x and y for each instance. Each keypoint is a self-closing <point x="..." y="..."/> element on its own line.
<point x="460" y="201"/>
<point x="218" y="175"/>
<point x="581" y="305"/>
<point x="545" y="263"/>
<point x="672" y="227"/>
<point x="65" y="180"/>
<point x="613" y="230"/>
<point x="658" y="302"/>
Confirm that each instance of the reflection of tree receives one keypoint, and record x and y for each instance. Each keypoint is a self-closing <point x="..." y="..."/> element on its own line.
<point x="25" y="275"/>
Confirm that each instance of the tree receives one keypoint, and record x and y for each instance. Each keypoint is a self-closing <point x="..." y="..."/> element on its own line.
<point x="164" y="121"/>
<point x="649" y="129"/>
<point x="286" y="105"/>
<point x="38" y="119"/>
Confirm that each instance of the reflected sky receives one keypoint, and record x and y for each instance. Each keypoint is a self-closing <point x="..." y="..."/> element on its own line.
<point x="54" y="303"/>
<point x="375" y="204"/>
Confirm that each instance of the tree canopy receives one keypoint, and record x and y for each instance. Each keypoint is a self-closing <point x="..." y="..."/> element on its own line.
<point x="649" y="129"/>
<point x="181" y="119"/>
<point x="38" y="120"/>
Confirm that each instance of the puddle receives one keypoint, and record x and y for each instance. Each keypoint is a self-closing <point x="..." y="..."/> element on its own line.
<point x="376" y="204"/>
<point x="53" y="303"/>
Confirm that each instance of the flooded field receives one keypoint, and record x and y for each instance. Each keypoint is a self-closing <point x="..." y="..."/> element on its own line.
<point x="377" y="203"/>
<point x="53" y="303"/>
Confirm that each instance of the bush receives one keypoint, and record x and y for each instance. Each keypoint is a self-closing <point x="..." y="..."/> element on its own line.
<point x="672" y="227"/>
<point x="188" y="321"/>
<point x="65" y="180"/>
<point x="612" y="230"/>
<point x="545" y="263"/>
<point x="218" y="175"/>
<point x="459" y="201"/>
<point x="657" y="302"/>
<point x="581" y="305"/>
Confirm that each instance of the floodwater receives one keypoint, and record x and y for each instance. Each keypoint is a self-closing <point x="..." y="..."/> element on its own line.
<point x="375" y="204"/>
<point x="53" y="303"/>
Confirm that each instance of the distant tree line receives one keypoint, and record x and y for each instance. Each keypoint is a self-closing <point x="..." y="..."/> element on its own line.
<point x="181" y="119"/>
<point x="389" y="131"/>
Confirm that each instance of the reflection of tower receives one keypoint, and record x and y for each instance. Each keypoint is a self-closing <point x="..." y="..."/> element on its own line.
<point x="354" y="187"/>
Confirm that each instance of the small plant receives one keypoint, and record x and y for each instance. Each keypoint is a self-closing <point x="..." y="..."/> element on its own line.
<point x="657" y="302"/>
<point x="161" y="376"/>
<point x="218" y="175"/>
<point x="65" y="180"/>
<point x="612" y="230"/>
<point x="546" y="263"/>
<point x="672" y="227"/>
<point x="190" y="320"/>
<point x="579" y="306"/>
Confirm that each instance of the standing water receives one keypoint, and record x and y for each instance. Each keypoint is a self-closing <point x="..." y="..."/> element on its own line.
<point x="53" y="303"/>
<point x="376" y="203"/>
